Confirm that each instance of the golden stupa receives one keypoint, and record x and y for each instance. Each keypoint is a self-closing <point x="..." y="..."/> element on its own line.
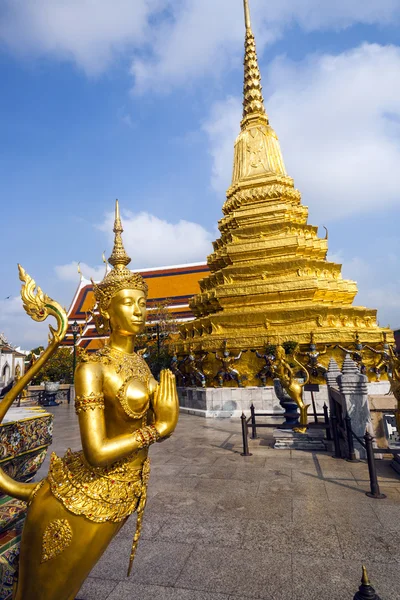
<point x="270" y="279"/>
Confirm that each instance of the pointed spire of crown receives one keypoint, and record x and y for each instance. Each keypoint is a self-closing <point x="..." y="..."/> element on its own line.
<point x="253" y="101"/>
<point x="119" y="257"/>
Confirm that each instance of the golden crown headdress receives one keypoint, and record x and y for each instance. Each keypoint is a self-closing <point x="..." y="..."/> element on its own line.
<point x="119" y="278"/>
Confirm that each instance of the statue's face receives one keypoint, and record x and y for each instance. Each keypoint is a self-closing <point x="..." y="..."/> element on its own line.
<point x="313" y="347"/>
<point x="127" y="312"/>
<point x="226" y="354"/>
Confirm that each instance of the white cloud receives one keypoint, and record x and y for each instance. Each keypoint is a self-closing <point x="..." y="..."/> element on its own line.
<point x="222" y="128"/>
<point x="88" y="32"/>
<point x="338" y="120"/>
<point x="153" y="242"/>
<point x="69" y="272"/>
<point x="175" y="42"/>
<point x="207" y="36"/>
<point x="378" y="282"/>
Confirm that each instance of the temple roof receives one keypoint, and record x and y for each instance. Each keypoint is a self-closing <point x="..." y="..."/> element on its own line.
<point x="177" y="283"/>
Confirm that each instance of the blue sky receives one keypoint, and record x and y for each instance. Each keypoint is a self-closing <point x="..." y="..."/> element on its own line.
<point x="141" y="101"/>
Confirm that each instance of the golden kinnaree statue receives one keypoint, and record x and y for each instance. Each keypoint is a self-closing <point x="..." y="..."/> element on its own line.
<point x="87" y="496"/>
<point x="394" y="378"/>
<point x="291" y="384"/>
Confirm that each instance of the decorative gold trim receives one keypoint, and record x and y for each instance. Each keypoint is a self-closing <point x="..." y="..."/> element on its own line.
<point x="121" y="397"/>
<point x="147" y="436"/>
<point x="100" y="494"/>
<point x="89" y="402"/>
<point x="56" y="538"/>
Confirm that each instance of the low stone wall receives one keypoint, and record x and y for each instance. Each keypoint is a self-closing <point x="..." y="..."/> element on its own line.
<point x="230" y="402"/>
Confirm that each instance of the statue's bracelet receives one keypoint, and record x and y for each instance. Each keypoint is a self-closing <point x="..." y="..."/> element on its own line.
<point x="146" y="436"/>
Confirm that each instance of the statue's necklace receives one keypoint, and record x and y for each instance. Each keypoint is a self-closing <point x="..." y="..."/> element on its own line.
<point x="129" y="366"/>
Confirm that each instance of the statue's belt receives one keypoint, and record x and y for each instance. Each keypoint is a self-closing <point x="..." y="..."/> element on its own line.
<point x="99" y="493"/>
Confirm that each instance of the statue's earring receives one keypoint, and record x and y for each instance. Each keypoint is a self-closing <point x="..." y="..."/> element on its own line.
<point x="102" y="323"/>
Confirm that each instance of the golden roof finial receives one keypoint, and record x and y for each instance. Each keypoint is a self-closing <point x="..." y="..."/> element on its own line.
<point x="253" y="101"/>
<point x="247" y="14"/>
<point x="119" y="257"/>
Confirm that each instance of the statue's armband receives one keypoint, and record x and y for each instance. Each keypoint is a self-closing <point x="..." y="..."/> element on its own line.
<point x="89" y="402"/>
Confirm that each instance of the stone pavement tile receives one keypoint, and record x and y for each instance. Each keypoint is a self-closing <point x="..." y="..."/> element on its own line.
<point x="207" y="472"/>
<point x="190" y="451"/>
<point x="251" y="474"/>
<point x="181" y="459"/>
<point x="238" y="461"/>
<point x="308" y="466"/>
<point x="240" y="506"/>
<point x="326" y="475"/>
<point x="192" y="502"/>
<point x="268" y="536"/>
<point x="164" y="470"/>
<point x="241" y="574"/>
<point x="319" y="578"/>
<point x="128" y="590"/>
<point x="349" y="492"/>
<point x="305" y="473"/>
<point x="171" y="484"/>
<point x="226" y="486"/>
<point x="388" y="515"/>
<point x="270" y="452"/>
<point x="278" y="489"/>
<point x="218" y="531"/>
<point x="156" y="562"/>
<point x="310" y="509"/>
<point x="316" y="539"/>
<point x="150" y="526"/>
<point x="357" y="514"/>
<point x="215" y="449"/>
<point x="159" y="459"/>
<point x="368" y="542"/>
<point x="96" y="589"/>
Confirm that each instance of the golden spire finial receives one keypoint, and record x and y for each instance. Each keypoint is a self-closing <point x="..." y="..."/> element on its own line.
<point x="253" y="101"/>
<point x="119" y="257"/>
<point x="247" y="14"/>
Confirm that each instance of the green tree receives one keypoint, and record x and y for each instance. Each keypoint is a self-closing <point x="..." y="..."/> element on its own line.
<point x="155" y="341"/>
<point x="57" y="368"/>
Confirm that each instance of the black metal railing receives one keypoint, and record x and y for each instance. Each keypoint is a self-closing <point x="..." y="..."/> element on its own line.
<point x="367" y="442"/>
<point x="44" y="398"/>
<point x="252" y="423"/>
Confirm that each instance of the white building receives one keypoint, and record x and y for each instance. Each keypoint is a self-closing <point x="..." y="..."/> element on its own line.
<point x="11" y="360"/>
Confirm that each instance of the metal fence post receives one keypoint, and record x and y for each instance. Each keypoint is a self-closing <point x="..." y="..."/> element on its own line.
<point x="314" y="407"/>
<point x="375" y="491"/>
<point x="350" y="442"/>
<point x="244" y="436"/>
<point x="328" y="426"/>
<point x="253" y="422"/>
<point x="335" y="433"/>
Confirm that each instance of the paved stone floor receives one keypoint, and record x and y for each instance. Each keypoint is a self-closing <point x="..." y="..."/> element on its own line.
<point x="279" y="525"/>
